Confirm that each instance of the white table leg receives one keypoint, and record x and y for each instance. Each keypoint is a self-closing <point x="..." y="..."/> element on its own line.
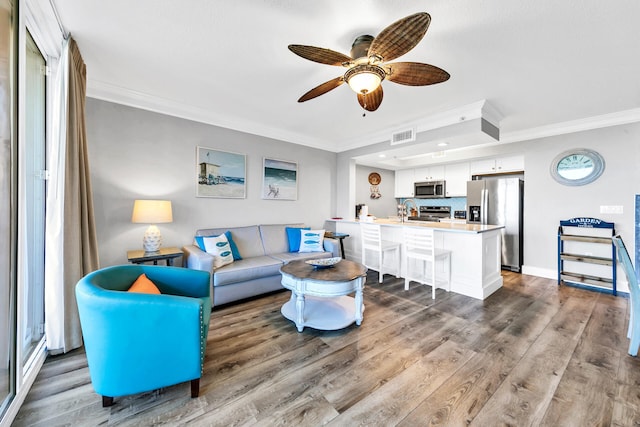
<point x="300" y="311"/>
<point x="358" y="302"/>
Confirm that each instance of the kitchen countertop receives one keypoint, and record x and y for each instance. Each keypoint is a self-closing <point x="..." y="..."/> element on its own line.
<point x="455" y="227"/>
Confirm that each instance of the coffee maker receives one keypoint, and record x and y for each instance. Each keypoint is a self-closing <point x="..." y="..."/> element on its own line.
<point x="358" y="209"/>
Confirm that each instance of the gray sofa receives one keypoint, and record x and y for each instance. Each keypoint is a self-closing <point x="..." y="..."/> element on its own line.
<point x="264" y="249"/>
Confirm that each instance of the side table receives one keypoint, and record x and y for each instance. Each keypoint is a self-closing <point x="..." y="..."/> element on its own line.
<point x="338" y="236"/>
<point x="140" y="256"/>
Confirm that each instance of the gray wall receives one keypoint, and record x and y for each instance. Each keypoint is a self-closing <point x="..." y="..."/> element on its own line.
<point x="547" y="202"/>
<point x="137" y="154"/>
<point x="385" y="205"/>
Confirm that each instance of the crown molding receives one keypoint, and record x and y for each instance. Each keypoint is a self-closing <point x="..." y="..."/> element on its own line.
<point x="119" y="95"/>
<point x="480" y="109"/>
<point x="573" y="126"/>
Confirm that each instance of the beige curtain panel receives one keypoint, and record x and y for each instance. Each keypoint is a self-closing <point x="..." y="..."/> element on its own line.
<point x="75" y="236"/>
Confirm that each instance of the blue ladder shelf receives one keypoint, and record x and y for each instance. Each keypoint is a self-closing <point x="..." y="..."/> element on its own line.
<point x="589" y="281"/>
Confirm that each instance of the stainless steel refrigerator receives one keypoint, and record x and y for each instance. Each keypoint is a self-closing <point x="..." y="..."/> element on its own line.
<point x="499" y="201"/>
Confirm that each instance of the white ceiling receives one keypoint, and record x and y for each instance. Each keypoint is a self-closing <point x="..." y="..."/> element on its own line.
<point x="544" y="66"/>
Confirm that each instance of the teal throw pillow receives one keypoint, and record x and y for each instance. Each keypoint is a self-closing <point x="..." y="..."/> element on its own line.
<point x="293" y="236"/>
<point x="234" y="249"/>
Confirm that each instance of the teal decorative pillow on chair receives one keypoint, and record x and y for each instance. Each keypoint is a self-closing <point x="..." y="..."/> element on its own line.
<point x="311" y="241"/>
<point x="293" y="236"/>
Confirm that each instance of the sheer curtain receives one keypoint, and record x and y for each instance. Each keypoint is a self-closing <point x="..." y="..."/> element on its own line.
<point x="71" y="244"/>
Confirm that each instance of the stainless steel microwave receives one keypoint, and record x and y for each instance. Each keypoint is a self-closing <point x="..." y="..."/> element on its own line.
<point x="429" y="190"/>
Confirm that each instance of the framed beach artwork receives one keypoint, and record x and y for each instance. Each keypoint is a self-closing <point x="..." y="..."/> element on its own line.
<point x="279" y="180"/>
<point x="221" y="174"/>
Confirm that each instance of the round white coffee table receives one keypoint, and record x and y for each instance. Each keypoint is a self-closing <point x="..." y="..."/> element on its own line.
<point x="319" y="297"/>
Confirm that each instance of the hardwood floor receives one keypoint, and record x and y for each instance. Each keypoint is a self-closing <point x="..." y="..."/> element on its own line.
<point x="531" y="354"/>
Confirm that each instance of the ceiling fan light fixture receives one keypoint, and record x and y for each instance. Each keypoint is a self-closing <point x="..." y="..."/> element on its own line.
<point x="364" y="79"/>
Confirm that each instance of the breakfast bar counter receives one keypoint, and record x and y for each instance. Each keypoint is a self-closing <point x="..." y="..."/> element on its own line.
<point x="475" y="250"/>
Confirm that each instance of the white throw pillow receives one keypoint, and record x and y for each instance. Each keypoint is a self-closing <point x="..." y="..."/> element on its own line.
<point x="219" y="247"/>
<point x="311" y="240"/>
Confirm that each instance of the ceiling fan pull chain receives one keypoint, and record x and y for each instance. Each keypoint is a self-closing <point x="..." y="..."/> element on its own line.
<point x="364" y="106"/>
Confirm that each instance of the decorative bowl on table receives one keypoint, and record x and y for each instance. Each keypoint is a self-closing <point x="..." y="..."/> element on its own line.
<point x="324" y="262"/>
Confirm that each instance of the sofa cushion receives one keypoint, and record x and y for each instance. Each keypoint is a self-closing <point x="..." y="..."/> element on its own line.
<point x="220" y="249"/>
<point x="311" y="241"/>
<point x="287" y="257"/>
<point x="247" y="239"/>
<point x="293" y="237"/>
<point x="246" y="269"/>
<point x="274" y="237"/>
<point x="234" y="249"/>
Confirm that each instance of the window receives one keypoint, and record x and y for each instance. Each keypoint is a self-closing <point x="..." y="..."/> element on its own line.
<point x="8" y="21"/>
<point x="23" y="123"/>
<point x="34" y="177"/>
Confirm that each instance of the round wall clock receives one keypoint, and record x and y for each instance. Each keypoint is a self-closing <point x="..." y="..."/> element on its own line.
<point x="579" y="166"/>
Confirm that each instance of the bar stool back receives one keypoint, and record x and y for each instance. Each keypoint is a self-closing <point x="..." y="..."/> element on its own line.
<point x="376" y="252"/>
<point x="421" y="256"/>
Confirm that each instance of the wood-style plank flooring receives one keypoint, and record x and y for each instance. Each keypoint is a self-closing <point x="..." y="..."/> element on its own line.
<point x="532" y="354"/>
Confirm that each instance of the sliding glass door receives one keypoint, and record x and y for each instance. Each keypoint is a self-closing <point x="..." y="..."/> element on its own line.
<point x="32" y="299"/>
<point x="8" y="24"/>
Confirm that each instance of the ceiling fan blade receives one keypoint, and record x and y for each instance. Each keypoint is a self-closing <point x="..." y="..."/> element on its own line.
<point x="415" y="74"/>
<point x="322" y="89"/>
<point x="319" y="54"/>
<point x="400" y="37"/>
<point x="371" y="101"/>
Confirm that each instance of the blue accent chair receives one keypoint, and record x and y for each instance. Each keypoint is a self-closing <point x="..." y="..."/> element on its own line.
<point x="634" y="296"/>
<point x="141" y="342"/>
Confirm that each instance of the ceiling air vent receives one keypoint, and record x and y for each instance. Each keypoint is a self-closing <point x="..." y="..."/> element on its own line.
<point x="403" y="136"/>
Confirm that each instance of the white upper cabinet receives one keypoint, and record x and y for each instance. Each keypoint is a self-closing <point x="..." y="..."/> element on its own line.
<point x="499" y="165"/>
<point x="456" y="176"/>
<point x="404" y="183"/>
<point x="430" y="173"/>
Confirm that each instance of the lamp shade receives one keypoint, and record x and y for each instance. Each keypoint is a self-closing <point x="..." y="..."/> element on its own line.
<point x="152" y="211"/>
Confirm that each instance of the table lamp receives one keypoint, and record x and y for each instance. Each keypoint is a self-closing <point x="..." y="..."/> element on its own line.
<point x="152" y="212"/>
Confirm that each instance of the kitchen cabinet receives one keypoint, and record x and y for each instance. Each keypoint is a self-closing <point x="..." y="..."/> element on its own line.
<point x="497" y="165"/>
<point x="404" y="183"/>
<point x="456" y="176"/>
<point x="430" y="173"/>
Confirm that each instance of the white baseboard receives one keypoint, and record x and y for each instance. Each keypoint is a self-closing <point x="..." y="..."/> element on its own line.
<point x="547" y="273"/>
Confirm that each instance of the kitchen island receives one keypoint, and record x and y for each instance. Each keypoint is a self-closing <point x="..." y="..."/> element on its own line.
<point x="475" y="250"/>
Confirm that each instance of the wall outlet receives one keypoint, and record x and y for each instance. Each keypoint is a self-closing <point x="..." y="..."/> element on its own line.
<point x="611" y="210"/>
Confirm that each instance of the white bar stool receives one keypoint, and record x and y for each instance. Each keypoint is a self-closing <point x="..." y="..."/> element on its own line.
<point x="375" y="251"/>
<point x="421" y="256"/>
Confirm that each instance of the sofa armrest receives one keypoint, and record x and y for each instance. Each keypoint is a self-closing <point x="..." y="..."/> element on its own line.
<point x="197" y="259"/>
<point x="332" y="245"/>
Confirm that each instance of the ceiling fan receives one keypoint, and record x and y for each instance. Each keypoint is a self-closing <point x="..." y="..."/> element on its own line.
<point x="368" y="64"/>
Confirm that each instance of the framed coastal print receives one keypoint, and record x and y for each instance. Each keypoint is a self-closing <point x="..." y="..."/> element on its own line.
<point x="220" y="174"/>
<point x="279" y="180"/>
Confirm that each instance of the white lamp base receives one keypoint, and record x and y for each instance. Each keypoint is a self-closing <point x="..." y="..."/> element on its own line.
<point x="152" y="239"/>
